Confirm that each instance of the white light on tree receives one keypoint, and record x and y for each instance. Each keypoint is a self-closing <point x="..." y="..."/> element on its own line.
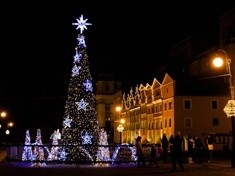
<point x="81" y="41"/>
<point x="103" y="153"/>
<point x="77" y="57"/>
<point x="67" y="122"/>
<point x="81" y="24"/>
<point x="88" y="85"/>
<point x="87" y="138"/>
<point x="75" y="70"/>
<point x="27" y="153"/>
<point x="82" y="105"/>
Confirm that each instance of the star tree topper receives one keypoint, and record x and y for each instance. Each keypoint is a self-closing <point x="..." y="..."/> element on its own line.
<point x="81" y="24"/>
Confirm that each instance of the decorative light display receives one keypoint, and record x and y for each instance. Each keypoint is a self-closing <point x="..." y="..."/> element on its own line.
<point x="38" y="151"/>
<point x="67" y="122"/>
<point x="229" y="109"/>
<point x="81" y="24"/>
<point x="82" y="140"/>
<point x="103" y="154"/>
<point x="88" y="85"/>
<point x="86" y="138"/>
<point x="80" y="133"/>
<point x="54" y="152"/>
<point x="82" y="104"/>
<point x="27" y="154"/>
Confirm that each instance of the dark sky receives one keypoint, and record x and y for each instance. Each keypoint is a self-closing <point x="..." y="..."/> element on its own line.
<point x="126" y="39"/>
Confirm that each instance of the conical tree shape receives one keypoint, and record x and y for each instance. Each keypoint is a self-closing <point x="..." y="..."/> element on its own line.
<point x="103" y="153"/>
<point x="80" y="126"/>
<point x="38" y="149"/>
<point x="27" y="153"/>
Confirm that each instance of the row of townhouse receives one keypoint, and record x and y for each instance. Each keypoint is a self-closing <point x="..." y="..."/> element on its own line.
<point x="155" y="109"/>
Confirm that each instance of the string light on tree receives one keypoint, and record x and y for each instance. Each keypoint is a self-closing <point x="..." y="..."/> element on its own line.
<point x="67" y="122"/>
<point x="80" y="133"/>
<point x="86" y="138"/>
<point x="103" y="154"/>
<point x="27" y="154"/>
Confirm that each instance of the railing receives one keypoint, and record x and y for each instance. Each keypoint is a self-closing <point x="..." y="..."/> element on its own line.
<point x="117" y="154"/>
<point x="113" y="154"/>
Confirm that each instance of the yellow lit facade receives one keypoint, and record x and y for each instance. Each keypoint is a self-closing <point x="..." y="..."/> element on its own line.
<point x="155" y="109"/>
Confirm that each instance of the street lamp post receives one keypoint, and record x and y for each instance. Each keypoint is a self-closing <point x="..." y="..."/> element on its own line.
<point x="121" y="121"/>
<point x="229" y="108"/>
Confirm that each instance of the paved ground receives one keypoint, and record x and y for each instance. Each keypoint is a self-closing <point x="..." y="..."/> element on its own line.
<point x="221" y="167"/>
<point x="216" y="168"/>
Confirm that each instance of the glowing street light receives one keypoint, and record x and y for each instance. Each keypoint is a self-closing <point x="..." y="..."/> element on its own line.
<point x="10" y="124"/>
<point x="3" y="114"/>
<point x="229" y="108"/>
<point x="118" y="108"/>
<point x="122" y="121"/>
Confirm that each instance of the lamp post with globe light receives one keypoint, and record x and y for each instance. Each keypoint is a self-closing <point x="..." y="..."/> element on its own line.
<point x="229" y="108"/>
<point x="120" y="127"/>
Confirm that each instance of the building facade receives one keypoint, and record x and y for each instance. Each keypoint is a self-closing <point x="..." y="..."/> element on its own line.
<point x="157" y="108"/>
<point x="193" y="107"/>
<point x="108" y="97"/>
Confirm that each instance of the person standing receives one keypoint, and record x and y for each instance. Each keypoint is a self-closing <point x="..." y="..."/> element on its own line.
<point x="199" y="148"/>
<point x="210" y="147"/>
<point x="153" y="155"/>
<point x="191" y="149"/>
<point x="176" y="153"/>
<point x="165" y="144"/>
<point x="139" y="152"/>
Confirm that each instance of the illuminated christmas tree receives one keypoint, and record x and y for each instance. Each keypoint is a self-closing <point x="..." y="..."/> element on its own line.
<point x="80" y="131"/>
<point x="38" y="150"/>
<point x="54" y="152"/>
<point x="27" y="153"/>
<point x="103" y="154"/>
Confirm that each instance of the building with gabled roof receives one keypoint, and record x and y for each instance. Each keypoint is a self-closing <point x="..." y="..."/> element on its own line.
<point x="162" y="110"/>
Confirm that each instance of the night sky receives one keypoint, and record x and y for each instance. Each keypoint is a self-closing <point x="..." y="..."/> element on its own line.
<point x="126" y="40"/>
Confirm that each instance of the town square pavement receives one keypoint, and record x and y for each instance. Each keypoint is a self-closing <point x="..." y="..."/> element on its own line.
<point x="215" y="168"/>
<point x="219" y="167"/>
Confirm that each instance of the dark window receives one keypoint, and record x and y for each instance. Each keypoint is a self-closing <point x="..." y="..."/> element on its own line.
<point x="107" y="107"/>
<point x="170" y="122"/>
<point x="214" y="104"/>
<point x="107" y="88"/>
<point x="187" y="104"/>
<point x="215" y="121"/>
